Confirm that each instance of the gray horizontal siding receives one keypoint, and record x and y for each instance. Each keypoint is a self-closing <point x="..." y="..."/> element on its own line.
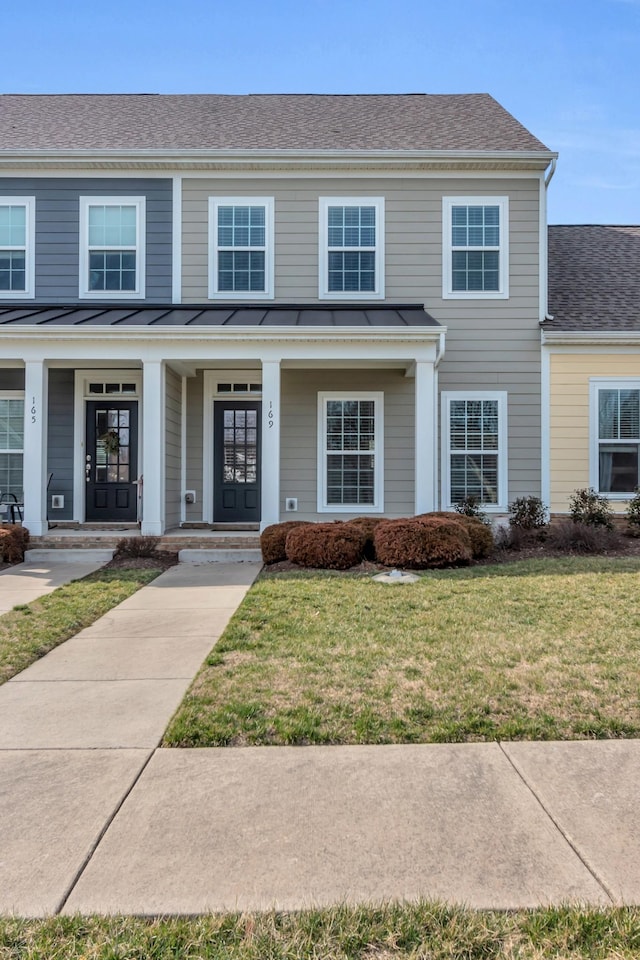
<point x="194" y="465"/>
<point x="60" y="442"/>
<point x="173" y="449"/>
<point x="57" y="248"/>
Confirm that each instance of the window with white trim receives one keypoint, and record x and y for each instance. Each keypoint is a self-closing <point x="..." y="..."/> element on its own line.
<point x="112" y="247"/>
<point x="350" y="452"/>
<point x="351" y="248"/>
<point x="615" y="432"/>
<point x="475" y="247"/>
<point x="11" y="443"/>
<point x="474" y="454"/>
<point x="17" y="229"/>
<point x="241" y="247"/>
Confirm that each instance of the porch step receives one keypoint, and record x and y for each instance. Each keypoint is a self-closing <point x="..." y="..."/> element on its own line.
<point x="220" y="555"/>
<point x="82" y="555"/>
<point x="108" y="540"/>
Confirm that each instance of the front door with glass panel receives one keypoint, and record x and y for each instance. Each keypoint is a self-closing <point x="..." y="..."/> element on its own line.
<point x="236" y="427"/>
<point x="111" y="460"/>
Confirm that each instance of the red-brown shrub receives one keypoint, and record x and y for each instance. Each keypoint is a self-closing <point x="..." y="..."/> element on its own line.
<point x="368" y="526"/>
<point x="274" y="538"/>
<point x="332" y="546"/>
<point x="422" y="542"/>
<point x="14" y="540"/>
<point x="480" y="534"/>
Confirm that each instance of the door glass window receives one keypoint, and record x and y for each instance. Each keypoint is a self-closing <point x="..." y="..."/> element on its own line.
<point x="111" y="455"/>
<point x="240" y="446"/>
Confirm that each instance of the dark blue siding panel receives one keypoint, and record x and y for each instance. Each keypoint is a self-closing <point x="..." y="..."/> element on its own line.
<point x="11" y="379"/>
<point x="60" y="442"/>
<point x="58" y="222"/>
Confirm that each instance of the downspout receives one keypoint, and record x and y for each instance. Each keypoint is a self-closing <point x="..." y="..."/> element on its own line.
<point x="545" y="368"/>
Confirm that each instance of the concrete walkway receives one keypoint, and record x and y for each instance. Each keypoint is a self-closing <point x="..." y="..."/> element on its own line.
<point x="29" y="581"/>
<point x="95" y="818"/>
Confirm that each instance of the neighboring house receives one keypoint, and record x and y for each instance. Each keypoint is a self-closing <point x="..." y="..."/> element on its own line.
<point x="591" y="364"/>
<point x="253" y="308"/>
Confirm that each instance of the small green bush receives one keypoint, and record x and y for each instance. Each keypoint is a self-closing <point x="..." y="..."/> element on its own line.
<point x="632" y="513"/>
<point x="14" y="540"/>
<point x="590" y="508"/>
<point x="273" y="540"/>
<point x="422" y="542"/>
<point x="326" y="546"/>
<point x="470" y="507"/>
<point x="578" y="537"/>
<point x="137" y="547"/>
<point x="528" y="513"/>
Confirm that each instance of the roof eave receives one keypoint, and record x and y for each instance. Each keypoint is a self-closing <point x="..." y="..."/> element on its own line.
<point x="590" y="337"/>
<point x="60" y="332"/>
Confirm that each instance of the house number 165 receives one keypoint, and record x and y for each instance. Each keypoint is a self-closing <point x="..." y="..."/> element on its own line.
<point x="33" y="411"/>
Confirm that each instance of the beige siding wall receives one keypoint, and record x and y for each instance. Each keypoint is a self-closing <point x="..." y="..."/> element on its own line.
<point x="299" y="436"/>
<point x="173" y="450"/>
<point x="194" y="445"/>
<point x="570" y="374"/>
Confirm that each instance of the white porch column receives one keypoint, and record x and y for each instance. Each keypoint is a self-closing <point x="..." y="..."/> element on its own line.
<point x="36" y="378"/>
<point x="153" y="443"/>
<point x="270" y="443"/>
<point x="426" y="437"/>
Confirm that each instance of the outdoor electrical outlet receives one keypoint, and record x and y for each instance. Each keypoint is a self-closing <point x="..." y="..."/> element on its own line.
<point x="57" y="501"/>
<point x="190" y="496"/>
<point x="291" y="503"/>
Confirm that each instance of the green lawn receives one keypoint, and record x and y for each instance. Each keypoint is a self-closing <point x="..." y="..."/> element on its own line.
<point x="30" y="630"/>
<point x="420" y="932"/>
<point x="539" y="649"/>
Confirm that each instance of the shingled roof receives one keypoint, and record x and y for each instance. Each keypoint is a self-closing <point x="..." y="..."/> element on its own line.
<point x="594" y="278"/>
<point x="116" y="122"/>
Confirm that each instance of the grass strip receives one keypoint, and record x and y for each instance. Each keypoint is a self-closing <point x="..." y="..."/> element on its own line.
<point x="394" y="932"/>
<point x="539" y="649"/>
<point x="30" y="630"/>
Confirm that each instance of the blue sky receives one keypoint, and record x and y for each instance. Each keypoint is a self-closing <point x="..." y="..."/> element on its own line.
<point x="568" y="69"/>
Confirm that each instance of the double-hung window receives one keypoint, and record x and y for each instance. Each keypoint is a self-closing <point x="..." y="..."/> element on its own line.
<point x="475" y="252"/>
<point x="351" y="248"/>
<point x="112" y="247"/>
<point x="350" y="452"/>
<point x="474" y="449"/>
<point x="17" y="229"/>
<point x="241" y="248"/>
<point x="615" y="433"/>
<point x="11" y="442"/>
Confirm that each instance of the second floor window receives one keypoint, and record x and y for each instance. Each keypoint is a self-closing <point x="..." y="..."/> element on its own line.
<point x="16" y="246"/>
<point x="351" y="248"/>
<point x="241" y="247"/>
<point x="475" y="254"/>
<point x="112" y="247"/>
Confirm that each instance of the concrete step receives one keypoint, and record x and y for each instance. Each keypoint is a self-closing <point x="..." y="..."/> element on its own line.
<point x="68" y="555"/>
<point x="220" y="555"/>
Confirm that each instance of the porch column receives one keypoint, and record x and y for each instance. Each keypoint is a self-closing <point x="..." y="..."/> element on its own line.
<point x="426" y="452"/>
<point x="36" y="377"/>
<point x="270" y="443"/>
<point x="153" y="442"/>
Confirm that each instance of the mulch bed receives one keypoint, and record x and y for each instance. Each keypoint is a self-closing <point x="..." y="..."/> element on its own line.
<point x="162" y="559"/>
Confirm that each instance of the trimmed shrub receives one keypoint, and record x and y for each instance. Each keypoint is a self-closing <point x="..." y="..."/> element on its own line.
<point x="368" y="526"/>
<point x="470" y="507"/>
<point x="479" y="533"/>
<point x="330" y="546"/>
<point x="14" y="540"/>
<point x="423" y="542"/>
<point x="137" y="547"/>
<point x="528" y="513"/>
<point x="632" y="513"/>
<point x="273" y="540"/>
<point x="588" y="507"/>
<point x="583" y="537"/>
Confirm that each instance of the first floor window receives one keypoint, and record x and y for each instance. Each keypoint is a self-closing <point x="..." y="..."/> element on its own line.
<point x="351" y="247"/>
<point x="11" y="444"/>
<point x="618" y="437"/>
<point x="474" y="448"/>
<point x="350" y="454"/>
<point x="241" y="247"/>
<point x="16" y="246"/>
<point x="112" y="247"/>
<point x="475" y="255"/>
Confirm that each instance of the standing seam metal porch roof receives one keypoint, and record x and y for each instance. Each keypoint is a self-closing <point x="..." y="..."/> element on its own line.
<point x="221" y="315"/>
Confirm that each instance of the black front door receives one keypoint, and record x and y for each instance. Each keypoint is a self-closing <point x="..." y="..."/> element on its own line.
<point x="236" y="475"/>
<point x="111" y="460"/>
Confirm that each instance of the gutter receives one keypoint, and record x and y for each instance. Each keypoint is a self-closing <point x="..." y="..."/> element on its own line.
<point x="590" y="338"/>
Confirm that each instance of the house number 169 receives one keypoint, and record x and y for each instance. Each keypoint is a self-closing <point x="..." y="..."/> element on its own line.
<point x="270" y="414"/>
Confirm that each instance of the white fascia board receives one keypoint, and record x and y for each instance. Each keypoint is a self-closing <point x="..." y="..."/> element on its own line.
<point x="595" y="338"/>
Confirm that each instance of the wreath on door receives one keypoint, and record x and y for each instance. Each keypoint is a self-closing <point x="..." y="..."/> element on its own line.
<point x="111" y="441"/>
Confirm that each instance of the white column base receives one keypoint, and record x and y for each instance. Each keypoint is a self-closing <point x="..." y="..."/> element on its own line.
<point x="151" y="528"/>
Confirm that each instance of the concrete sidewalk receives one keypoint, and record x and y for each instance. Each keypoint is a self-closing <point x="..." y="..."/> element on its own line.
<point x="29" y="581"/>
<point x="95" y="818"/>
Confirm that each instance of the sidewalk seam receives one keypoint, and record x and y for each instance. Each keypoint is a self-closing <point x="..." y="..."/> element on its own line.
<point x="94" y="846"/>
<point x="557" y="824"/>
